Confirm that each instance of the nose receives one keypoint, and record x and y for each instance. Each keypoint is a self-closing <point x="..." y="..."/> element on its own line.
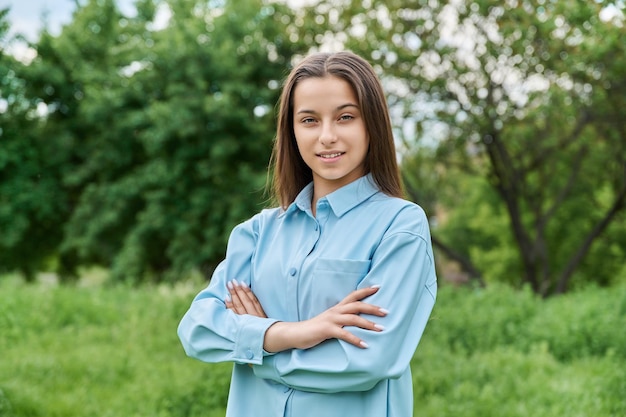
<point x="327" y="135"/>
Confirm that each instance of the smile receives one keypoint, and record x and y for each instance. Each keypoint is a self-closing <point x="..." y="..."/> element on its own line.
<point x="330" y="155"/>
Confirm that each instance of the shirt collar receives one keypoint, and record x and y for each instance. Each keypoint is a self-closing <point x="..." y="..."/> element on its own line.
<point x="342" y="200"/>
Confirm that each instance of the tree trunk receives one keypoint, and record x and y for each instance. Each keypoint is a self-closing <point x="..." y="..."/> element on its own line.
<point x="465" y="264"/>
<point x="568" y="271"/>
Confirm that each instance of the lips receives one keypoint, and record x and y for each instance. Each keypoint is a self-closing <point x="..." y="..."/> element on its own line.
<point x="330" y="155"/>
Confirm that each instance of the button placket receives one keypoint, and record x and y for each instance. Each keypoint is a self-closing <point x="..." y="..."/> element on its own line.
<point x="323" y="211"/>
<point x="294" y="271"/>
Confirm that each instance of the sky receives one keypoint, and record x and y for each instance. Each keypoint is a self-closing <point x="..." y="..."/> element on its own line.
<point x="26" y="16"/>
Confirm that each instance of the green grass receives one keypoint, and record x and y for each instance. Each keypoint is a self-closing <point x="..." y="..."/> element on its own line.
<point x="71" y="351"/>
<point x="113" y="351"/>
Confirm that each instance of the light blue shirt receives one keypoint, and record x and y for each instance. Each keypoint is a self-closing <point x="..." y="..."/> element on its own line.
<point x="298" y="266"/>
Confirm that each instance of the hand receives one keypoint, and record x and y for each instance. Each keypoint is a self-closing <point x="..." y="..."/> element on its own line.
<point x="242" y="300"/>
<point x="327" y="325"/>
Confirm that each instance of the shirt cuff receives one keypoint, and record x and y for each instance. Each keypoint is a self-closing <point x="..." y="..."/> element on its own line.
<point x="249" y="346"/>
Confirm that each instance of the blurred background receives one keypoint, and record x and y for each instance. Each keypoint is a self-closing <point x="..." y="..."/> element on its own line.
<point x="134" y="134"/>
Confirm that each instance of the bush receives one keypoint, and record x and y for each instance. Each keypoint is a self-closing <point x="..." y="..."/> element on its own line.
<point x="574" y="326"/>
<point x="113" y="351"/>
<point x="503" y="352"/>
<point x="590" y="323"/>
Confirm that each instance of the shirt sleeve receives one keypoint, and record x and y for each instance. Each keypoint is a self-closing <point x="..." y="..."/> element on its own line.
<point x="209" y="331"/>
<point x="404" y="268"/>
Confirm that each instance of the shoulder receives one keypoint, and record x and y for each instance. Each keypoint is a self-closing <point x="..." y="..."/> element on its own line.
<point x="247" y="233"/>
<point x="256" y="223"/>
<point x="402" y="215"/>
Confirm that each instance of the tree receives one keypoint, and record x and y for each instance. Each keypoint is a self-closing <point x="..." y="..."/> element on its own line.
<point x="193" y="125"/>
<point x="32" y="199"/>
<point x="528" y="96"/>
<point x="165" y="131"/>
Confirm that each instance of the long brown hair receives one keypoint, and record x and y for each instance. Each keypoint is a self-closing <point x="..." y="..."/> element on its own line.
<point x="290" y="173"/>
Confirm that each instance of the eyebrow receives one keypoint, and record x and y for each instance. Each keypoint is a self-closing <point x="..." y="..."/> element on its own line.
<point x="343" y="106"/>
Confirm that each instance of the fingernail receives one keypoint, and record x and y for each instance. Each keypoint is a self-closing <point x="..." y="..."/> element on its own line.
<point x="365" y="345"/>
<point x="227" y="299"/>
<point x="235" y="283"/>
<point x="243" y="284"/>
<point x="229" y="284"/>
<point x="384" y="310"/>
<point x="379" y="326"/>
<point x="375" y="286"/>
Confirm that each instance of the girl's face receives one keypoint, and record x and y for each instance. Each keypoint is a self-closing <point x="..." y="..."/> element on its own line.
<point x="330" y="132"/>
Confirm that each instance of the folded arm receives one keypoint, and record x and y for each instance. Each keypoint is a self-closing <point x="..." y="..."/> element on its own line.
<point x="328" y="353"/>
<point x="306" y="334"/>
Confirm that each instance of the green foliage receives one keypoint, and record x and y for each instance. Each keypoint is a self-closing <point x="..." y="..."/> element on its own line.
<point x="154" y="143"/>
<point x="570" y="328"/>
<point x="112" y="350"/>
<point x="510" y="351"/>
<point x="187" y="138"/>
<point x="32" y="199"/>
<point x="138" y="147"/>
<point x="105" y="351"/>
<point x="526" y="97"/>
<point x="505" y="382"/>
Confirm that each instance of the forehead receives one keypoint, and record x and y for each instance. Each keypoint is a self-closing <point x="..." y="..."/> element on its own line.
<point x="320" y="90"/>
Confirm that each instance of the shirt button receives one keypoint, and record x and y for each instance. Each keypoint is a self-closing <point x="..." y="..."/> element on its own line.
<point x="249" y="354"/>
<point x="293" y="271"/>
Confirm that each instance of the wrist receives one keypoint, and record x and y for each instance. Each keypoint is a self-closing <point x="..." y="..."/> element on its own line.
<point x="276" y="339"/>
<point x="290" y="335"/>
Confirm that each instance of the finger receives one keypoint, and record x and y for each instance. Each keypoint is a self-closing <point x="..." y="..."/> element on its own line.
<point x="238" y="306"/>
<point x="245" y="299"/>
<point x="358" y="321"/>
<point x="248" y="301"/>
<point x="253" y="301"/>
<point x="346" y="336"/>
<point x="360" y="294"/>
<point x="359" y="307"/>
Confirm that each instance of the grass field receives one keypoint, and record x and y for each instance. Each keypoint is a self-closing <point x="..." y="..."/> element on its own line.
<point x="99" y="350"/>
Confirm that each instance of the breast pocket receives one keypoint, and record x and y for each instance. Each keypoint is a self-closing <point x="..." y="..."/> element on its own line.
<point x="333" y="280"/>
